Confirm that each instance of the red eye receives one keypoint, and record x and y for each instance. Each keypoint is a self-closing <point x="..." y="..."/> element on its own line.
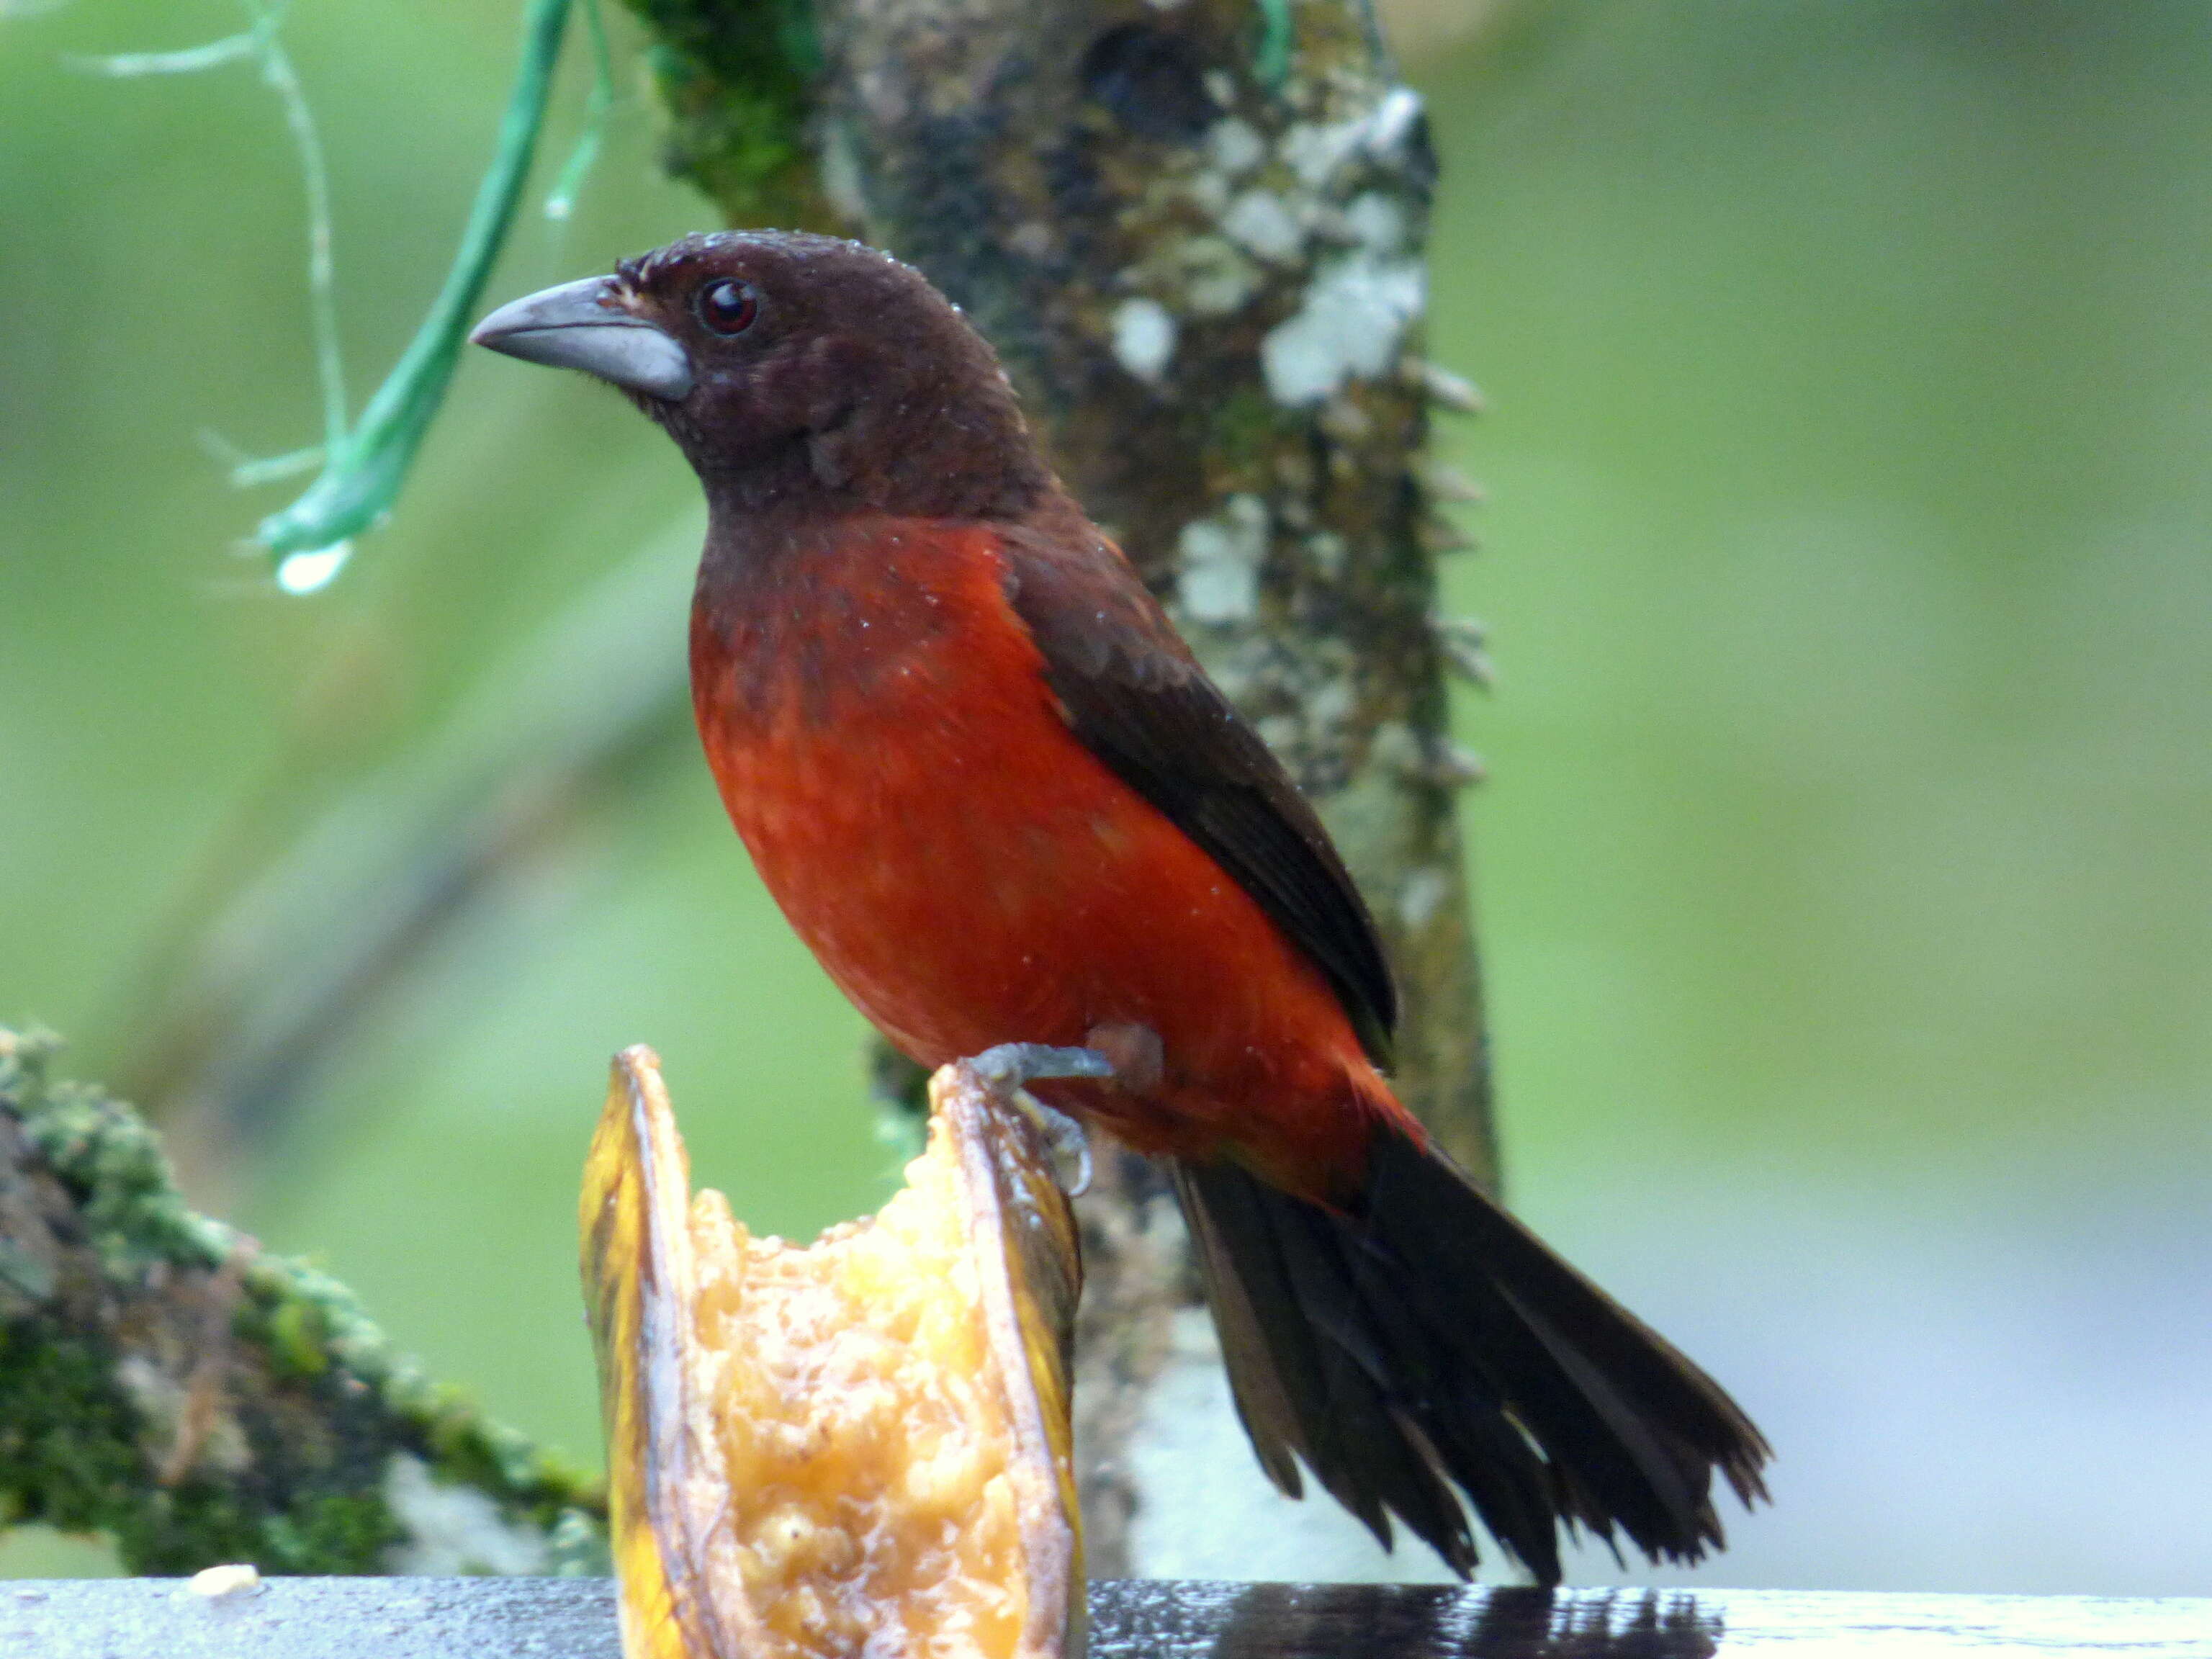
<point x="728" y="307"/>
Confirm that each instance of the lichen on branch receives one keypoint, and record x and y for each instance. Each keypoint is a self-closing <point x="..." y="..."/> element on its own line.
<point x="165" y="1382"/>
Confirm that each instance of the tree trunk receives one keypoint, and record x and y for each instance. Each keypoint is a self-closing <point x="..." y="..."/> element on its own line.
<point x="1194" y="232"/>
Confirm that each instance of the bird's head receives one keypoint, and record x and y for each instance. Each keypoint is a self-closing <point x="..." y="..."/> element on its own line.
<point x="795" y="369"/>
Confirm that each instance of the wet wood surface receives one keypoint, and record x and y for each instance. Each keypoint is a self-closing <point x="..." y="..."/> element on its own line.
<point x="1134" y="1619"/>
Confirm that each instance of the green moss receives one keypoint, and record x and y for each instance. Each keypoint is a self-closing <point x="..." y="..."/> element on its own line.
<point x="320" y="1428"/>
<point x="337" y="1532"/>
<point x="69" y="1451"/>
<point x="297" y="1334"/>
<point x="737" y="79"/>
<point x="576" y="1547"/>
<point x="112" y="1163"/>
<point x="70" y="1457"/>
<point x="1247" y="426"/>
<point x="200" y="1524"/>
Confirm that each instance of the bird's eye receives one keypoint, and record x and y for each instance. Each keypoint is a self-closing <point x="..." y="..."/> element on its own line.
<point x="728" y="307"/>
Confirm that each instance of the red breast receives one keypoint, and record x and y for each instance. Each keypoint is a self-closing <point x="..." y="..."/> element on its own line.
<point x="877" y="717"/>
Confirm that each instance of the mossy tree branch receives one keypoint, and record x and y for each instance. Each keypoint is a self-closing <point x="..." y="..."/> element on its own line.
<point x="737" y="79"/>
<point x="165" y="1382"/>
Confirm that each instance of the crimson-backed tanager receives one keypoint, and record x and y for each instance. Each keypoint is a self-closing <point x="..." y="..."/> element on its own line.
<point x="995" y="793"/>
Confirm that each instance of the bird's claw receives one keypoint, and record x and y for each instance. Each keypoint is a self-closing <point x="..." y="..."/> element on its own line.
<point x="1011" y="1068"/>
<point x="1018" y="1064"/>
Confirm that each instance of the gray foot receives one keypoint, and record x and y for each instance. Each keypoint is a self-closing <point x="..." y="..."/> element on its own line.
<point x="1011" y="1068"/>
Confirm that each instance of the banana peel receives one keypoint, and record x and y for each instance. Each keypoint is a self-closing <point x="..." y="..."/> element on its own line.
<point x="861" y="1446"/>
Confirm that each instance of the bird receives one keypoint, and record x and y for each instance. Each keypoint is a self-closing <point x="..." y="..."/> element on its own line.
<point x="993" y="791"/>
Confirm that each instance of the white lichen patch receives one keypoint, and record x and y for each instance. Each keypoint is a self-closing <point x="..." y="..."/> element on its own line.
<point x="1356" y="309"/>
<point x="1217" y="279"/>
<point x="1330" y="705"/>
<point x="1144" y="337"/>
<point x="159" y="1397"/>
<point x="1454" y="767"/>
<point x="1208" y="192"/>
<point x="838" y="172"/>
<point x="1221" y="558"/>
<point x="452" y="1529"/>
<point x="1265" y="224"/>
<point x="1199" y="275"/>
<point x="1032" y="240"/>
<point x="1420" y="895"/>
<point x="1395" y="750"/>
<point x="1376" y="223"/>
<point x="1392" y="121"/>
<point x="1234" y="147"/>
<point x="173" y="1427"/>
<point x="1315" y="149"/>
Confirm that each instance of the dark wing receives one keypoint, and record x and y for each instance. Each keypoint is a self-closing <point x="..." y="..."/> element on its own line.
<point x="1137" y="698"/>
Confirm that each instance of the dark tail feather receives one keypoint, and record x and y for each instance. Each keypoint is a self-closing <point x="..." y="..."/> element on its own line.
<point x="1431" y="1342"/>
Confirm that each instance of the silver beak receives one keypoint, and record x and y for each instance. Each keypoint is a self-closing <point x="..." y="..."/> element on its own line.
<point x="578" y="326"/>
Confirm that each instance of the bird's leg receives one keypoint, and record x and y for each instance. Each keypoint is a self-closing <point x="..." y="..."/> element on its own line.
<point x="1011" y="1068"/>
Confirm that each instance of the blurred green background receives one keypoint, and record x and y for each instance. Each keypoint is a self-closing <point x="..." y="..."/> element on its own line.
<point x="1846" y="875"/>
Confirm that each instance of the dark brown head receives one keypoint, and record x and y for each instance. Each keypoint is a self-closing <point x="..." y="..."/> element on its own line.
<point x="795" y="371"/>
